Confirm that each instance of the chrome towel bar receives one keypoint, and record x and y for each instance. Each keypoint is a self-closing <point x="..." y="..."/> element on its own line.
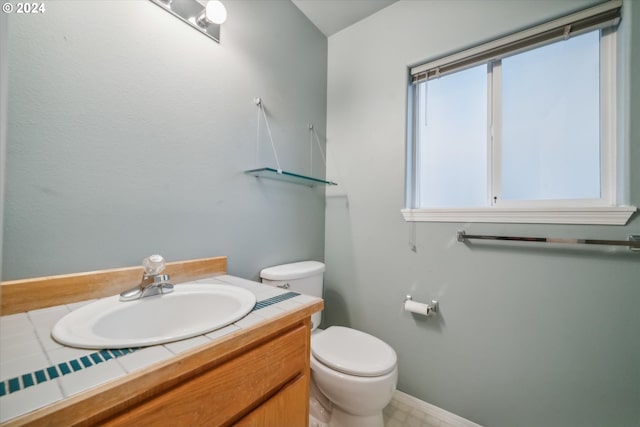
<point x="633" y="242"/>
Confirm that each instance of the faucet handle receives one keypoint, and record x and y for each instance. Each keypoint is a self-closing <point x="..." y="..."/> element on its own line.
<point x="153" y="265"/>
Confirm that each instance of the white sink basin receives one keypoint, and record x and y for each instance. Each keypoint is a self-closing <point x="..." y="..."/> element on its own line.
<point x="190" y="310"/>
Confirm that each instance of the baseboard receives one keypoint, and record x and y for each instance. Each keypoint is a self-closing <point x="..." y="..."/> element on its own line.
<point x="432" y="410"/>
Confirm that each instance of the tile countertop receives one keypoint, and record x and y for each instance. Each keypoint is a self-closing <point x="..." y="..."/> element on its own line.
<point x="36" y="371"/>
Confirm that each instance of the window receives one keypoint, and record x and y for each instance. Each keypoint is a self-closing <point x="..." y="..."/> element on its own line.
<point x="521" y="129"/>
<point x="550" y="111"/>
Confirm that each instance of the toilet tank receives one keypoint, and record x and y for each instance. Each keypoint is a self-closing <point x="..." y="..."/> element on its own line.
<point x="303" y="277"/>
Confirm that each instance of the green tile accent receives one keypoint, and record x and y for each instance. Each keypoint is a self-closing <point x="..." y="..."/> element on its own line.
<point x="105" y="355"/>
<point x="75" y="365"/>
<point x="53" y="372"/>
<point x="27" y="380"/>
<point x="85" y="361"/>
<point x="64" y="368"/>
<point x="40" y="376"/>
<point x="14" y="385"/>
<point x="96" y="358"/>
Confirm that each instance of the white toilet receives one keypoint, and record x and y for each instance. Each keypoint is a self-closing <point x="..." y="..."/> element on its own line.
<point x="353" y="374"/>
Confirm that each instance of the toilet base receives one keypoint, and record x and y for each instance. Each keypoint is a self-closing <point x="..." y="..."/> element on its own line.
<point x="339" y="418"/>
<point x="314" y="422"/>
<point x="342" y="419"/>
<point x="319" y="407"/>
<point x="323" y="413"/>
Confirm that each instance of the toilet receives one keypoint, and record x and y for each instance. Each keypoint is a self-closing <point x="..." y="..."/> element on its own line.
<point x="353" y="374"/>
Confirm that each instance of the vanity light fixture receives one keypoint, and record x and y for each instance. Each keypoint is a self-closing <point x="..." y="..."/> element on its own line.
<point x="206" y="19"/>
<point x="214" y="13"/>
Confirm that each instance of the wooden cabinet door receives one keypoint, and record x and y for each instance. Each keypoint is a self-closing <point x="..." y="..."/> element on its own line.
<point x="288" y="408"/>
<point x="221" y="395"/>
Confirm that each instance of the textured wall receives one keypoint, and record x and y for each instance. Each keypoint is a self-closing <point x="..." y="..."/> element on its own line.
<point x="528" y="336"/>
<point x="129" y="133"/>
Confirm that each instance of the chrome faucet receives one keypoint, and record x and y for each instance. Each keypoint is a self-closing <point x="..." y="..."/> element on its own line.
<point x="152" y="283"/>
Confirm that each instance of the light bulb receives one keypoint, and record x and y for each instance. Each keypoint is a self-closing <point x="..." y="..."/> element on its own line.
<point x="215" y="12"/>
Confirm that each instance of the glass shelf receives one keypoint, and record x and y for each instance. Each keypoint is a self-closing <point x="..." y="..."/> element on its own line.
<point x="281" y="175"/>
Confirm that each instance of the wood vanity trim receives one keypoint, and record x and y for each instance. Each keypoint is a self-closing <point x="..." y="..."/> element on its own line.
<point x="19" y="296"/>
<point x="110" y="402"/>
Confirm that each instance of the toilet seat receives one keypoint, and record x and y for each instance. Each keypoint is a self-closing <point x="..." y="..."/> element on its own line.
<point x="353" y="352"/>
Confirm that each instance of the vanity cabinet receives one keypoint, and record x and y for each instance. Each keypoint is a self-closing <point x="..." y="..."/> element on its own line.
<point x="256" y="376"/>
<point x="269" y="384"/>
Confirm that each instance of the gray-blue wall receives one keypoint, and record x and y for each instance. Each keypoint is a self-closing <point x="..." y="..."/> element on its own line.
<point x="129" y="131"/>
<point x="3" y="118"/>
<point x="528" y="336"/>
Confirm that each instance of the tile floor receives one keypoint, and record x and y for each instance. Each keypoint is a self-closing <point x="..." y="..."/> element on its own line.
<point x="398" y="414"/>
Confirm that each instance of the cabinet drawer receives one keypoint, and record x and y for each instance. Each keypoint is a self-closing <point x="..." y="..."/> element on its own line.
<point x="288" y="408"/>
<point x="222" y="395"/>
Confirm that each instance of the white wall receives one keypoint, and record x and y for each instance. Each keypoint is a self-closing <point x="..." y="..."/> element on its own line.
<point x="527" y="336"/>
<point x="129" y="131"/>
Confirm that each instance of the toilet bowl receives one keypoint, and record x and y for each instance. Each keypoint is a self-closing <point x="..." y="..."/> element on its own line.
<point x="353" y="374"/>
<point x="356" y="372"/>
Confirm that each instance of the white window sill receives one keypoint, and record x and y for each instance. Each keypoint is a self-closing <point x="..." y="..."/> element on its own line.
<point x="617" y="215"/>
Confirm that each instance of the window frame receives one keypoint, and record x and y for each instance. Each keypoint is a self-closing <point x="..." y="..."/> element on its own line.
<point x="604" y="210"/>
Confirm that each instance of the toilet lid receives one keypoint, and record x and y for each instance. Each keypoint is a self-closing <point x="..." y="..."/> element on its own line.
<point x="353" y="352"/>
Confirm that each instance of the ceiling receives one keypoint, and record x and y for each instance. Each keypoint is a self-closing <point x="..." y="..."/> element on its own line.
<point x="331" y="16"/>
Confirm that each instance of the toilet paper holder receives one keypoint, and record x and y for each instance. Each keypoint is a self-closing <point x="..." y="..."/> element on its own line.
<point x="425" y="309"/>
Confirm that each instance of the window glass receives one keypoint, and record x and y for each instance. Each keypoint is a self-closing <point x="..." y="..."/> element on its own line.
<point x="551" y="121"/>
<point x="452" y="139"/>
